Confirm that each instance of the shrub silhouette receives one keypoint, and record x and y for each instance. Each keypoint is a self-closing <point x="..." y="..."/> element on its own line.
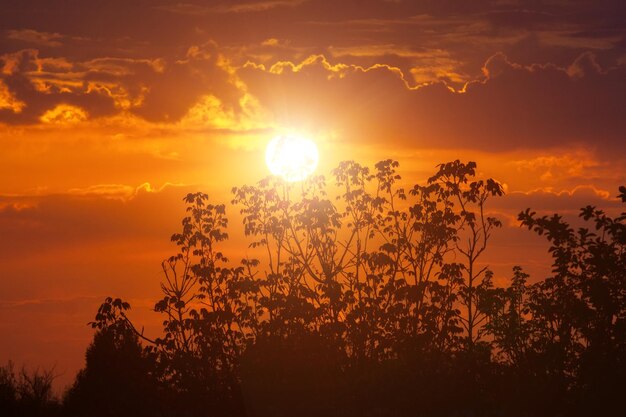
<point x="362" y="297"/>
<point x="27" y="393"/>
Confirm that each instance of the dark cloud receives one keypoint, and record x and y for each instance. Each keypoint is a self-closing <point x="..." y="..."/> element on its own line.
<point x="132" y="55"/>
<point x="29" y="82"/>
<point x="155" y="89"/>
<point x="178" y="87"/>
<point x="30" y="36"/>
<point x="456" y="25"/>
<point x="513" y="107"/>
<point x="218" y="7"/>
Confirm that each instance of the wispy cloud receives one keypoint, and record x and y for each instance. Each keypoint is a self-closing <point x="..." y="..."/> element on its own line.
<point x="245" y="7"/>
<point x="35" y="37"/>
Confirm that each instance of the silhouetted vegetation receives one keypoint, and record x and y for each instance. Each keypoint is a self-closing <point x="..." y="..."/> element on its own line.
<point x="364" y="298"/>
<point x="27" y="393"/>
<point x="118" y="379"/>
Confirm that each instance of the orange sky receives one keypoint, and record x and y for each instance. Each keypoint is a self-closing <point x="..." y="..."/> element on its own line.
<point x="111" y="111"/>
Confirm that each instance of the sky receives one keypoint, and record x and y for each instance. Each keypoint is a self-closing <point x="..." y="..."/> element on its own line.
<point x="112" y="110"/>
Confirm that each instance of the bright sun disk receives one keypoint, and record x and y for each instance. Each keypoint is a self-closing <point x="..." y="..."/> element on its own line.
<point x="291" y="157"/>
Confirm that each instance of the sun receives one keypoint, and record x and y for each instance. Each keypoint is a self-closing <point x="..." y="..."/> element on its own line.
<point x="291" y="157"/>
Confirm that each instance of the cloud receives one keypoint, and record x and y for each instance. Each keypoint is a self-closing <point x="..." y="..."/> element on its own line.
<point x="158" y="90"/>
<point x="8" y="100"/>
<point x="563" y="167"/>
<point x="551" y="200"/>
<point x="84" y="216"/>
<point x="228" y="7"/>
<point x="509" y="106"/>
<point x="43" y="84"/>
<point x="210" y="113"/>
<point x="120" y="192"/>
<point x="64" y="114"/>
<point x="426" y="65"/>
<point x="513" y="106"/>
<point x="258" y="6"/>
<point x="35" y="37"/>
<point x="49" y="305"/>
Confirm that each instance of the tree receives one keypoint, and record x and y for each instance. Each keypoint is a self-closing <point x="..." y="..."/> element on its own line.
<point x="474" y="228"/>
<point x="367" y="298"/>
<point x="119" y="376"/>
<point x="27" y="392"/>
<point x="565" y="336"/>
<point x="363" y="269"/>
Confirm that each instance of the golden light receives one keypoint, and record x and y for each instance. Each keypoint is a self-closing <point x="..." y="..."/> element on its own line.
<point x="64" y="114"/>
<point x="291" y="157"/>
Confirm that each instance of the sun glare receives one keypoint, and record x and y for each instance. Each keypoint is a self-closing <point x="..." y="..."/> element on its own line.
<point x="291" y="157"/>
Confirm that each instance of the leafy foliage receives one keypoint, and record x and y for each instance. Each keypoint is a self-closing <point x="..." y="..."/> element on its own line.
<point x="361" y="296"/>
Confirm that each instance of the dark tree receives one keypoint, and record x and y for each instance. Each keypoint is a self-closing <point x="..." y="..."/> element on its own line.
<point x="27" y="393"/>
<point x="368" y="277"/>
<point x="118" y="378"/>
<point x="564" y="338"/>
<point x="358" y="297"/>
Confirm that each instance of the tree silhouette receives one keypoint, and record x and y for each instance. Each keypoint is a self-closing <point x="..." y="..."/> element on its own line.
<point x="564" y="338"/>
<point x="362" y="297"/>
<point x="117" y="379"/>
<point x="578" y="316"/>
<point x="27" y="393"/>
